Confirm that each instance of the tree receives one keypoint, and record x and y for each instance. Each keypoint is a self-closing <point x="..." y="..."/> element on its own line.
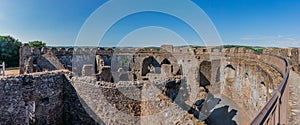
<point x="39" y="44"/>
<point x="9" y="51"/>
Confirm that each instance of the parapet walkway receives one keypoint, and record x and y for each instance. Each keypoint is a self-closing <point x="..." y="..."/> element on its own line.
<point x="228" y="113"/>
<point x="294" y="98"/>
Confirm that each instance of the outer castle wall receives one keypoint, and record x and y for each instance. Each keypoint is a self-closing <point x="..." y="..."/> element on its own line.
<point x="52" y="97"/>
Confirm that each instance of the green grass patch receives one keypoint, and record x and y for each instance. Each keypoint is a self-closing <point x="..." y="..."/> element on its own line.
<point x="256" y="49"/>
<point x="12" y="68"/>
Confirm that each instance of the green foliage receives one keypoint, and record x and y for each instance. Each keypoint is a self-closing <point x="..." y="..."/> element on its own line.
<point x="257" y="50"/>
<point x="12" y="68"/>
<point x="39" y="44"/>
<point x="9" y="51"/>
<point x="195" y="51"/>
<point x="124" y="62"/>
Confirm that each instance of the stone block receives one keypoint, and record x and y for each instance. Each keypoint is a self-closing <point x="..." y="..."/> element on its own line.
<point x="88" y="70"/>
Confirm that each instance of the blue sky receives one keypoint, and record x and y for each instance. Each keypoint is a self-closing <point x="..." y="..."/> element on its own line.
<point x="242" y="22"/>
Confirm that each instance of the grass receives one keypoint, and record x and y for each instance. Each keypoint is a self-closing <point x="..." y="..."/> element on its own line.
<point x="256" y="49"/>
<point x="12" y="68"/>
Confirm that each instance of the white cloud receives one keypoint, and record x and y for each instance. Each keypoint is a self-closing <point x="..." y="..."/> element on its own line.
<point x="247" y="38"/>
<point x="260" y="38"/>
<point x="277" y="41"/>
<point x="269" y="38"/>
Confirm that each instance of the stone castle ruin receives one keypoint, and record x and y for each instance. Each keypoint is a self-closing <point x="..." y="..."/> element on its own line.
<point x="166" y="85"/>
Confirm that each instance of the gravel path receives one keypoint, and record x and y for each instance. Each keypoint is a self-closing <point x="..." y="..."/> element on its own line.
<point x="294" y="98"/>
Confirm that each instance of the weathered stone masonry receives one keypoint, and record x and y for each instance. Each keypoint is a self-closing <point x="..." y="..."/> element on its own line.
<point x="41" y="98"/>
<point x="102" y="81"/>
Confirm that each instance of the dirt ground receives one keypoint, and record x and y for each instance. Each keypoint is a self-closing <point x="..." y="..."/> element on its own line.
<point x="11" y="72"/>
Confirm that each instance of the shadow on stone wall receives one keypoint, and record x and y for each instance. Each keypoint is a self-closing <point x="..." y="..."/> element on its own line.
<point x="150" y="65"/>
<point x="221" y="116"/>
<point x="74" y="113"/>
<point x="203" y="80"/>
<point x="48" y="63"/>
<point x="201" y="108"/>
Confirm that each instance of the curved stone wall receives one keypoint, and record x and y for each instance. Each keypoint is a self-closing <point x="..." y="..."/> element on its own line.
<point x="249" y="83"/>
<point x="243" y="77"/>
